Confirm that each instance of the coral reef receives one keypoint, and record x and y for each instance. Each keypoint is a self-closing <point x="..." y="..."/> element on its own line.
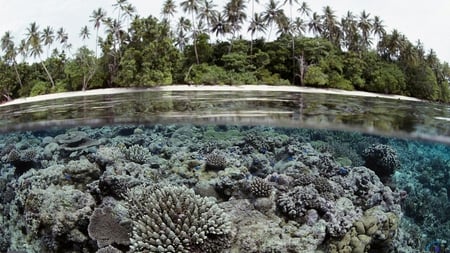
<point x="22" y="160"/>
<point x="260" y="188"/>
<point x="174" y="219"/>
<point x="374" y="231"/>
<point x="106" y="229"/>
<point x="215" y="161"/>
<point x="382" y="159"/>
<point x="108" y="249"/>
<point x="136" y="153"/>
<point x="184" y="188"/>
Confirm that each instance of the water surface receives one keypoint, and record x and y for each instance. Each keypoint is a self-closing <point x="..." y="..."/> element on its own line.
<point x="321" y="172"/>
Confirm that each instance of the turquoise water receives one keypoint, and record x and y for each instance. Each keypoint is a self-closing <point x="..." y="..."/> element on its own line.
<point x="224" y="171"/>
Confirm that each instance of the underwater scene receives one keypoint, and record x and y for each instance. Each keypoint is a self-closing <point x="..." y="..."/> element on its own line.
<point x="173" y="171"/>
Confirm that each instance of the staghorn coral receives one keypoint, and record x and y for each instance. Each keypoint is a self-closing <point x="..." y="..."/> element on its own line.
<point x="175" y="219"/>
<point x="260" y="188"/>
<point x="106" y="229"/>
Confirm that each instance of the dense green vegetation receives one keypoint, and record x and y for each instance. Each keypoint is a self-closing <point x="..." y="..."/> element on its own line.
<point x="205" y="45"/>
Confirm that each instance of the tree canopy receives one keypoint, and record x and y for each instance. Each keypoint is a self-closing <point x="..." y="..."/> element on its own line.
<point x="198" y="42"/>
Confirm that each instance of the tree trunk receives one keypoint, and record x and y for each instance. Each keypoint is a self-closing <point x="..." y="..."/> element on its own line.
<point x="17" y="74"/>
<point x="48" y="74"/>
<point x="195" y="40"/>
<point x="302" y="67"/>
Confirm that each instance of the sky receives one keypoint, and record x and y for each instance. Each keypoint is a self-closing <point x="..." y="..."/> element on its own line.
<point x="427" y="21"/>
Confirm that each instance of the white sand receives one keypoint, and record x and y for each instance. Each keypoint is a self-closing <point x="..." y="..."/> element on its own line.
<point x="204" y="88"/>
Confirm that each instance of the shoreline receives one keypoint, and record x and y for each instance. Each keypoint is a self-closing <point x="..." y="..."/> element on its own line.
<point x="205" y="88"/>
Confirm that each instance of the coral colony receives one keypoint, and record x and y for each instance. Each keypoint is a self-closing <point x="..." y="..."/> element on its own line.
<point x="184" y="188"/>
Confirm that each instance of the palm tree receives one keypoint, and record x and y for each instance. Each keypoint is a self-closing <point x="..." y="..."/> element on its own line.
<point x="10" y="51"/>
<point x="331" y="29"/>
<point x="207" y="12"/>
<point x="235" y="14"/>
<point x="256" y="25"/>
<point x="183" y="26"/>
<point x="350" y="34"/>
<point x="22" y="49"/>
<point x="365" y="26"/>
<point x="304" y="9"/>
<point x="285" y="26"/>
<point x="272" y="14"/>
<point x="192" y="6"/>
<point x="125" y="13"/>
<point x="114" y="29"/>
<point x="168" y="11"/>
<point x="119" y="5"/>
<point x="48" y="37"/>
<point x="128" y="13"/>
<point x="85" y="33"/>
<point x="63" y="37"/>
<point x="97" y="17"/>
<point x="391" y="45"/>
<point x="378" y="27"/>
<point x="291" y="4"/>
<point x="253" y="7"/>
<point x="315" y="24"/>
<point x="290" y="30"/>
<point x="219" y="25"/>
<point x="299" y="26"/>
<point x="35" y="47"/>
<point x="7" y="41"/>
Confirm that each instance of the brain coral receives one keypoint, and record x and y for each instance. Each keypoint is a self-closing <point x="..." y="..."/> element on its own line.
<point x="175" y="219"/>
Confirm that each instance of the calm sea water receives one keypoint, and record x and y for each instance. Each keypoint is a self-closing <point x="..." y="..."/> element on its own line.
<point x="291" y="172"/>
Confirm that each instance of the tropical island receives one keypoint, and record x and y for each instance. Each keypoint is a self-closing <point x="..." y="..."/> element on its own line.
<point x="225" y="46"/>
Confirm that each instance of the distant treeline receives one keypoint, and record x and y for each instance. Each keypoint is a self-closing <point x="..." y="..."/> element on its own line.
<point x="205" y="45"/>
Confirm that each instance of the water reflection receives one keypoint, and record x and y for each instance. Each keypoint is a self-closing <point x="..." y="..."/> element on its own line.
<point x="365" y="114"/>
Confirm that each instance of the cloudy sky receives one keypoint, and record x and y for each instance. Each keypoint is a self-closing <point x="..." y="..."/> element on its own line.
<point x="427" y="21"/>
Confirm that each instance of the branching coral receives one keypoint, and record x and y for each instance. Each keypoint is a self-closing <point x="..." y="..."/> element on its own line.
<point x="136" y="153"/>
<point x="260" y="188"/>
<point x="215" y="161"/>
<point x="175" y="219"/>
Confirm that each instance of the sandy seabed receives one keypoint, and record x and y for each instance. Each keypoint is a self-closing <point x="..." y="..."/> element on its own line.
<point x="204" y="88"/>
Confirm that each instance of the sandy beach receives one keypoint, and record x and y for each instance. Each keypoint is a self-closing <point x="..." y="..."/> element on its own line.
<point x="204" y="88"/>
